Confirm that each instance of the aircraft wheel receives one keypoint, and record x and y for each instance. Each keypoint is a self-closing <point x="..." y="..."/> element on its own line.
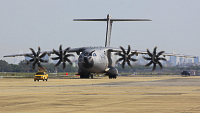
<point x="86" y="75"/>
<point x="46" y="79"/>
<point x="91" y="76"/>
<point x="115" y="76"/>
<point x="81" y="76"/>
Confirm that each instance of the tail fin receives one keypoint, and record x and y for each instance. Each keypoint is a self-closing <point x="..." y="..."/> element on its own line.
<point x="109" y="25"/>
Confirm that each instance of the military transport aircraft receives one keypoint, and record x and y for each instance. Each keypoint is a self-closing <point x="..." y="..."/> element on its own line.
<point x="99" y="59"/>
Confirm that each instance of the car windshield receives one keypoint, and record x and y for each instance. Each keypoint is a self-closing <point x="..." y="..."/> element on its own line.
<point x="40" y="73"/>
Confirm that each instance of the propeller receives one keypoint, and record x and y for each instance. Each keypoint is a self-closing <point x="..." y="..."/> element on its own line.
<point x="126" y="56"/>
<point x="36" y="58"/>
<point x="154" y="59"/>
<point x="62" y="56"/>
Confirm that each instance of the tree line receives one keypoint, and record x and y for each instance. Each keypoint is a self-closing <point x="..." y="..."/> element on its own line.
<point x="23" y="67"/>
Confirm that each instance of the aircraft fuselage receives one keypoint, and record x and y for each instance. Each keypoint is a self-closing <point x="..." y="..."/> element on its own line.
<point x="93" y="60"/>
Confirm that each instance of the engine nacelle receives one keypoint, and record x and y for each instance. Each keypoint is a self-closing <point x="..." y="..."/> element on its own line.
<point x="112" y="71"/>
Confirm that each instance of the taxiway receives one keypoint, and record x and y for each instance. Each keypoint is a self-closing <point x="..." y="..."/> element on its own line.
<point x="124" y="94"/>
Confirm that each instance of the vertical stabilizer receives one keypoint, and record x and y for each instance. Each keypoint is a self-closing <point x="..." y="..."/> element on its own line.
<point x="108" y="31"/>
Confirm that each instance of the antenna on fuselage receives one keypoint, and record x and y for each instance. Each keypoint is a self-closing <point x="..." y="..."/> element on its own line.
<point x="109" y="25"/>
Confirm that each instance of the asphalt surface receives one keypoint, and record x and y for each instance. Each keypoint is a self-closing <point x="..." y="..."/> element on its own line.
<point x="121" y="95"/>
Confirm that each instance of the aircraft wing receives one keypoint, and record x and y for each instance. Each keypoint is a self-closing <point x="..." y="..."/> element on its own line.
<point x="26" y="54"/>
<point x="145" y="52"/>
<point x="77" y="50"/>
<point x="119" y="50"/>
<point x="178" y="55"/>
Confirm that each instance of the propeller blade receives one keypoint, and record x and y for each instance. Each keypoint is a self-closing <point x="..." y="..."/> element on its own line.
<point x="69" y="61"/>
<point x="154" y="66"/>
<point x="120" y="54"/>
<point x="38" y="53"/>
<point x="31" y="60"/>
<point x="160" y="65"/>
<point x="160" y="53"/>
<point x="123" y="63"/>
<point x="44" y="61"/>
<point x="132" y="59"/>
<point x="66" y="50"/>
<point x="42" y="55"/>
<point x="124" y="52"/>
<point x="68" y="55"/>
<point x="154" y="51"/>
<point x="55" y="58"/>
<point x="58" y="63"/>
<point x="149" y="53"/>
<point x="162" y="59"/>
<point x="129" y="64"/>
<point x="147" y="58"/>
<point x="39" y="65"/>
<point x="33" y="52"/>
<point x="58" y="54"/>
<point x="129" y="49"/>
<point x="132" y="53"/>
<point x="149" y="64"/>
<point x="30" y="56"/>
<point x="119" y="60"/>
<point x="64" y="65"/>
<point x="60" y="48"/>
<point x="33" y="67"/>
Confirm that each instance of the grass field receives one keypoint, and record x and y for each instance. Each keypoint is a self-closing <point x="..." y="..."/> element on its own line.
<point x="124" y="94"/>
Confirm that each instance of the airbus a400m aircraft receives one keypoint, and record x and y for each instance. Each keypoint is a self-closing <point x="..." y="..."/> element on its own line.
<point x="99" y="59"/>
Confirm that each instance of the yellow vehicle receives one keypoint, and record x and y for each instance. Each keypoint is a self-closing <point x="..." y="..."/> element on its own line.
<point x="41" y="75"/>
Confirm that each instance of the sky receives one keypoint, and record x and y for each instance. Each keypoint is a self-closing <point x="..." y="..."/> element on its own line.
<point x="24" y="24"/>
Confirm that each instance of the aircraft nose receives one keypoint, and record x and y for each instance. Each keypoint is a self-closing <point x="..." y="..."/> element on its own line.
<point x="88" y="62"/>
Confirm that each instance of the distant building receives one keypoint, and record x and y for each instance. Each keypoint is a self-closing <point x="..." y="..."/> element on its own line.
<point x="189" y="60"/>
<point x="196" y="60"/>
<point x="181" y="60"/>
<point x="173" y="60"/>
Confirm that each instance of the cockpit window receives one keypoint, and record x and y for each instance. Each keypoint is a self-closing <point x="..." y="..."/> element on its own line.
<point x="88" y="53"/>
<point x="94" y="54"/>
<point x="85" y="54"/>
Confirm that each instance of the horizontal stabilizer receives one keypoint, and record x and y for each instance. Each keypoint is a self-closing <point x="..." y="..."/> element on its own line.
<point x="112" y="19"/>
<point x="109" y="25"/>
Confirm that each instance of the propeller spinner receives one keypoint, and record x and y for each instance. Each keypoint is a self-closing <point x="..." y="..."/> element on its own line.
<point x="154" y="59"/>
<point x="126" y="56"/>
<point x="36" y="58"/>
<point x="62" y="56"/>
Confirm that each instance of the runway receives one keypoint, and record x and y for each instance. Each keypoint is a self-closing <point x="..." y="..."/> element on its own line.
<point x="124" y="94"/>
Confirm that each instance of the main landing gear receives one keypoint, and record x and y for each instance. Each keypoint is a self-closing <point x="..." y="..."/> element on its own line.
<point x="86" y="75"/>
<point x="112" y="76"/>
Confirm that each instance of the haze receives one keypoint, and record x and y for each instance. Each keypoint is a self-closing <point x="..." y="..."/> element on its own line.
<point x="174" y="27"/>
